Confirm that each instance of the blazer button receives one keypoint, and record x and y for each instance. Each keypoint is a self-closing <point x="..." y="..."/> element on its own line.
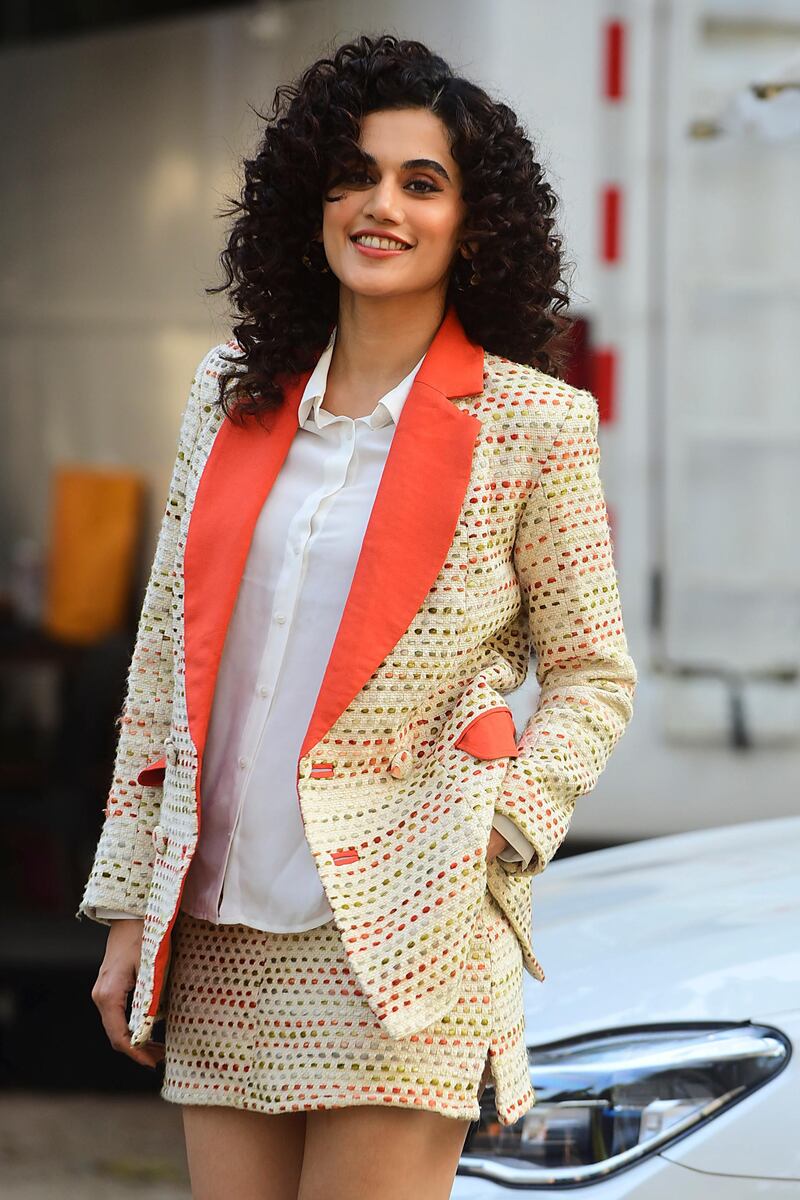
<point x="159" y="840"/>
<point x="400" y="764"/>
<point x="170" y="751"/>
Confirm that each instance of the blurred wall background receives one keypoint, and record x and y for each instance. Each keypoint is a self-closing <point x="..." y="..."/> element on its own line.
<point x="122" y="147"/>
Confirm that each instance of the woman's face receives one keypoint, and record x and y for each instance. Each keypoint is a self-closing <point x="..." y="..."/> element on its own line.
<point x="409" y="189"/>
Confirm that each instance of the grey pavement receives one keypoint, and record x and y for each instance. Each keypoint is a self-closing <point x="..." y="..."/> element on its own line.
<point x="95" y="1147"/>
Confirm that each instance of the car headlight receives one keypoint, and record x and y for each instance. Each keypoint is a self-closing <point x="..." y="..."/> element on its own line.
<point x="604" y="1101"/>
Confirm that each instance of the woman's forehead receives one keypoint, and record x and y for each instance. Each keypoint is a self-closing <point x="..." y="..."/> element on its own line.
<point x="404" y="133"/>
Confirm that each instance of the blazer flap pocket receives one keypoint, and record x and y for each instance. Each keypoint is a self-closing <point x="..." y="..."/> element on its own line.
<point x="490" y="735"/>
<point x="152" y="775"/>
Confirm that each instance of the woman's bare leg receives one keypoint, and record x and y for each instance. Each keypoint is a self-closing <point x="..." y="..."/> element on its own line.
<point x="238" y="1153"/>
<point x="372" y="1153"/>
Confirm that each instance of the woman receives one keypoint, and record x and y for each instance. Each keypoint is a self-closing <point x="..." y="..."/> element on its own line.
<point x="401" y="501"/>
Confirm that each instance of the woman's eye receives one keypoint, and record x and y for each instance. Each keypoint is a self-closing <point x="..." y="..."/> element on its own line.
<point x="427" y="186"/>
<point x="347" y="179"/>
<point x="361" y="178"/>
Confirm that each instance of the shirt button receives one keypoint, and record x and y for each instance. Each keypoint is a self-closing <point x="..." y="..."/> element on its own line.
<point x="243" y="762"/>
<point x="263" y="690"/>
<point x="280" y="617"/>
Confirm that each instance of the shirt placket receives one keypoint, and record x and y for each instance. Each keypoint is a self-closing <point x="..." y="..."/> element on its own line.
<point x="340" y="440"/>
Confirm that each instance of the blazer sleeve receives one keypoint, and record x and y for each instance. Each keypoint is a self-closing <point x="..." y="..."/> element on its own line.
<point x="121" y="872"/>
<point x="570" y="600"/>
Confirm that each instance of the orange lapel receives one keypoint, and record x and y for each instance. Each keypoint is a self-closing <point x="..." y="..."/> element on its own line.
<point x="412" y="523"/>
<point x="241" y="468"/>
<point x="410" y="529"/>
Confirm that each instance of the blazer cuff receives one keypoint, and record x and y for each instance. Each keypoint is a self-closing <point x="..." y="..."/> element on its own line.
<point x="519" y="849"/>
<point x="113" y="914"/>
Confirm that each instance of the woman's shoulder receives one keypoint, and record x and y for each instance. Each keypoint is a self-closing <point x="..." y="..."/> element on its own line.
<point x="221" y="359"/>
<point x="226" y="358"/>
<point x="533" y="394"/>
<point x="218" y="360"/>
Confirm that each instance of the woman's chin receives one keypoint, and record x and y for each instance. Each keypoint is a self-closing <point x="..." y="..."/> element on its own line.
<point x="378" y="289"/>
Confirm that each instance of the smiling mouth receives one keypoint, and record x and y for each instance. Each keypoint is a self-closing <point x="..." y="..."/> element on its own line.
<point x="379" y="243"/>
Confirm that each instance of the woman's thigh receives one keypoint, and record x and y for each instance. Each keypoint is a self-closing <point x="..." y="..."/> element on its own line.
<point x="239" y="1153"/>
<point x="362" y="1153"/>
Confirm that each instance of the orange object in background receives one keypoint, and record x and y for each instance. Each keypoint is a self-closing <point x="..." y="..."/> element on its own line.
<point x="95" y="525"/>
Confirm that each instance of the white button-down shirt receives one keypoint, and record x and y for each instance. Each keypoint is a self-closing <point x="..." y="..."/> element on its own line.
<point x="252" y="864"/>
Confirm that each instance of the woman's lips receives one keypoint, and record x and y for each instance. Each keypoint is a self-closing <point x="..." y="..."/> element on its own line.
<point x="376" y="252"/>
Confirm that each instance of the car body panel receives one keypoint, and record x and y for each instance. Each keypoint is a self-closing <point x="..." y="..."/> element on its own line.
<point x="758" y="1135"/>
<point x="654" y="1179"/>
<point x="693" y="926"/>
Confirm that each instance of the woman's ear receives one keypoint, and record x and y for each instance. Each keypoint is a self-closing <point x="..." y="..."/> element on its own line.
<point x="468" y="249"/>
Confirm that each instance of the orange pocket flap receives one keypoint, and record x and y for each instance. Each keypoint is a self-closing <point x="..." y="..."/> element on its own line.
<point x="153" y="774"/>
<point x="490" y="735"/>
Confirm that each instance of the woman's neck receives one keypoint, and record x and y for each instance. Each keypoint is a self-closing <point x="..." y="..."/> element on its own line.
<point x="379" y="340"/>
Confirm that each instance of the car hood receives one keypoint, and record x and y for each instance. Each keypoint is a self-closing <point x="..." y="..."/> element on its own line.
<point x="695" y="926"/>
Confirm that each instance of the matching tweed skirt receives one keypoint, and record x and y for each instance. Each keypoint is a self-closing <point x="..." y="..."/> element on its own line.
<point x="276" y="1022"/>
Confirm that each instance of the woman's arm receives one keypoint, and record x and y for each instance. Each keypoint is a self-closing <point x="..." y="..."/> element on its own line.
<point x="122" y="867"/>
<point x="564" y="563"/>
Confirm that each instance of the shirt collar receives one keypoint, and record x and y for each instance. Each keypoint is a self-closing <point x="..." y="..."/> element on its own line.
<point x="387" y="409"/>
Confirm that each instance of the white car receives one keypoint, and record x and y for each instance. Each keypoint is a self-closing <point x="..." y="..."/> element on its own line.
<point x="661" y="1039"/>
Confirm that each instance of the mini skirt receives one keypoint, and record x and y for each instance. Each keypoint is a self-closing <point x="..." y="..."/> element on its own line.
<point x="276" y="1023"/>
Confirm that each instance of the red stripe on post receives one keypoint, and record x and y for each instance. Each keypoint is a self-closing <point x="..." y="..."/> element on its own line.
<point x="614" y="61"/>
<point x="611" y="217"/>
<point x="604" y="383"/>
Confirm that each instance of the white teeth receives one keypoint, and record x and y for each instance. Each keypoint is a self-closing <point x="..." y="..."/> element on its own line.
<point x="380" y="243"/>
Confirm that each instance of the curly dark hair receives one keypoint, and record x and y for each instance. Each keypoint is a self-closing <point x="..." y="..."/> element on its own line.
<point x="515" y="307"/>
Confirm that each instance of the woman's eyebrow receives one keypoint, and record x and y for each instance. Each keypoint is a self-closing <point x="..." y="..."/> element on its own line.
<point x="412" y="163"/>
<point x="426" y="162"/>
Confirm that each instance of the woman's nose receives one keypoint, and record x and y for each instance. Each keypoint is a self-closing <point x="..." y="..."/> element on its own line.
<point x="384" y="203"/>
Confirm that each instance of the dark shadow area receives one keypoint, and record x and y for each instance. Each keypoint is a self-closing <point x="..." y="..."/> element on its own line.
<point x="36" y="20"/>
<point x="53" y="788"/>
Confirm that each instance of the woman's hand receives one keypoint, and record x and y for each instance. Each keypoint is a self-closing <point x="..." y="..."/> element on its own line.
<point x="116" y="977"/>
<point x="497" y="843"/>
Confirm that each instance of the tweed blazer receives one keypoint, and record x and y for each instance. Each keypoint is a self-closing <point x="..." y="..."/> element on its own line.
<point x="488" y="542"/>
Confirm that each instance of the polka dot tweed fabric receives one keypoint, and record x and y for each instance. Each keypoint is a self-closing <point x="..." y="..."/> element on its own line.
<point x="488" y="545"/>
<point x="277" y="1023"/>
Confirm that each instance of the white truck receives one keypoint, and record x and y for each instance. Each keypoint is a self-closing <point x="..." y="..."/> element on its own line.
<point x="673" y="132"/>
